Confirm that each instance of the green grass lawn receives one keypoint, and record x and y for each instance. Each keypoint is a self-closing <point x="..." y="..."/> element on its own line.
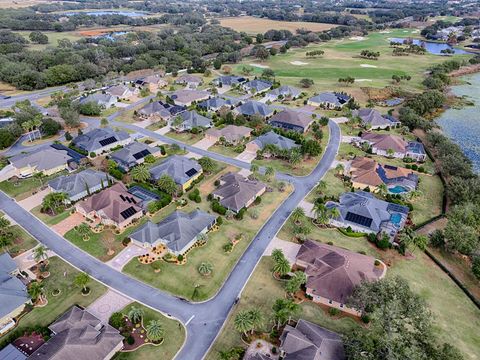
<point x="70" y="295"/>
<point x="174" y="338"/>
<point x="224" y="150"/>
<point x="185" y="137"/>
<point x="22" y="241"/>
<point x="335" y="186"/>
<point x="50" y="220"/>
<point x="23" y="188"/>
<point x="429" y="203"/>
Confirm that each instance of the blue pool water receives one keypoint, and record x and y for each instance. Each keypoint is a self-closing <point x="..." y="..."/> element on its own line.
<point x="396" y="219"/>
<point x="397" y="189"/>
<point x="433" y="47"/>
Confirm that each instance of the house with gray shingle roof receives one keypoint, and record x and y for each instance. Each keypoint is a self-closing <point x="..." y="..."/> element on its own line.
<point x="10" y="352"/>
<point x="79" y="335"/>
<point x="230" y="134"/>
<point x="284" y="92"/>
<point x="80" y="185"/>
<point x="236" y="192"/>
<point x="179" y="231"/>
<point x="100" y="140"/>
<point x="122" y="91"/>
<point x="158" y="110"/>
<point x="216" y="103"/>
<point x="180" y="168"/>
<point x="133" y="154"/>
<point x="47" y="160"/>
<point x="329" y="100"/>
<point x="190" y="119"/>
<point x="186" y="97"/>
<point x="291" y="119"/>
<point x="254" y="108"/>
<point x="309" y="341"/>
<point x="191" y="81"/>
<point x="13" y="293"/>
<point x="228" y="80"/>
<point x="271" y="138"/>
<point x="103" y="100"/>
<point x="256" y="86"/>
<point x="372" y="119"/>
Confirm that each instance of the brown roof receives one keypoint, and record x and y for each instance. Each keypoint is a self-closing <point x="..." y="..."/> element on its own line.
<point x="112" y="202"/>
<point x="293" y="117"/>
<point x="187" y="96"/>
<point x="332" y="273"/>
<point x="231" y="133"/>
<point x="386" y="141"/>
<point x="236" y="191"/>
<point x="364" y="170"/>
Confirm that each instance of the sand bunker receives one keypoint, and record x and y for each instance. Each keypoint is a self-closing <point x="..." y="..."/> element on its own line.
<point x="298" y="63"/>
<point x="363" y="80"/>
<point x="260" y="66"/>
<point x="357" y="38"/>
<point x="384" y="32"/>
<point x="368" y="66"/>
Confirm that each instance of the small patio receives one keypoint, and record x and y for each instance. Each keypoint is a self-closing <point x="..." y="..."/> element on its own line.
<point x="28" y="344"/>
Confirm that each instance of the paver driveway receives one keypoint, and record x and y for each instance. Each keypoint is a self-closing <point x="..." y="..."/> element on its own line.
<point x="246" y="156"/>
<point x="68" y="224"/>
<point x="124" y="256"/>
<point x="106" y="305"/>
<point x="289" y="249"/>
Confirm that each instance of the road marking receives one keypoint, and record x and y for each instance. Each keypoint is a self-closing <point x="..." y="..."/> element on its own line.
<point x="188" y="321"/>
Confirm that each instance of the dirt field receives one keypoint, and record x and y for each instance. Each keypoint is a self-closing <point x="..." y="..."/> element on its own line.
<point x="20" y="3"/>
<point x="252" y="25"/>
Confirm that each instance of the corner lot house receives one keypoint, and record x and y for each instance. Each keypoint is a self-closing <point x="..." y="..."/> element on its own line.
<point x="230" y="134"/>
<point x="367" y="173"/>
<point x="363" y="212"/>
<point x="101" y="140"/>
<point x="284" y="92"/>
<point x="395" y="146"/>
<point x="103" y="100"/>
<point x="191" y="81"/>
<point x="256" y="86"/>
<point x="309" y="341"/>
<point x="178" y="232"/>
<point x="329" y="100"/>
<point x="271" y="138"/>
<point x="113" y="206"/>
<point x="80" y="185"/>
<point x="372" y="119"/>
<point x="79" y="335"/>
<point x="332" y="273"/>
<point x="133" y="154"/>
<point x="47" y="161"/>
<point x="254" y="108"/>
<point x="182" y="170"/>
<point x="13" y="293"/>
<point x="237" y="192"/>
<point x="187" y="97"/>
<point x="189" y="120"/>
<point x="158" y="110"/>
<point x="289" y="119"/>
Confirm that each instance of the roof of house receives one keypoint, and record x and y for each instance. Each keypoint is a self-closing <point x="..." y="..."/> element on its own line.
<point x="163" y="109"/>
<point x="309" y="341"/>
<point x="373" y="118"/>
<point x="272" y="138"/>
<point x="229" y="80"/>
<point x="98" y="138"/>
<point x="258" y="85"/>
<point x="179" y="168"/>
<point x="187" y="78"/>
<point x="75" y="184"/>
<point x="115" y="203"/>
<point x="44" y="159"/>
<point x="79" y="335"/>
<point x="13" y="293"/>
<point x="10" y="352"/>
<point x="118" y="90"/>
<point x="131" y="153"/>
<point x="98" y="98"/>
<point x="192" y="119"/>
<point x="236" y="191"/>
<point x="416" y="147"/>
<point x="231" y="133"/>
<point x="386" y="141"/>
<point x="177" y="230"/>
<point x="292" y="117"/>
<point x="217" y="102"/>
<point x="185" y="96"/>
<point x="154" y="79"/>
<point x="338" y="99"/>
<point x="285" y="91"/>
<point x="251" y="108"/>
<point x="332" y="272"/>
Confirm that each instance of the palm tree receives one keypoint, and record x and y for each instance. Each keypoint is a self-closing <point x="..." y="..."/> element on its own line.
<point x="167" y="184"/>
<point x="27" y="127"/>
<point x="269" y="172"/>
<point x="202" y="238"/>
<point x="321" y="187"/>
<point x="281" y="267"/>
<point x="320" y="211"/>
<point x="297" y="214"/>
<point x="296" y="281"/>
<point x="135" y="314"/>
<point x="277" y="254"/>
<point x="243" y="322"/>
<point x="36" y="291"/>
<point x="254" y="168"/>
<point x="40" y="253"/>
<point x="205" y="268"/>
<point x="256" y="316"/>
<point x="334" y="213"/>
<point x="140" y="173"/>
<point x="229" y="214"/>
<point x="207" y="164"/>
<point x="295" y="157"/>
<point x="413" y="241"/>
<point x="339" y="169"/>
<point x="155" y="330"/>
<point x="84" y="231"/>
<point x="36" y="123"/>
<point x="39" y="176"/>
<point x="6" y="236"/>
<point x="81" y="280"/>
<point x="382" y="190"/>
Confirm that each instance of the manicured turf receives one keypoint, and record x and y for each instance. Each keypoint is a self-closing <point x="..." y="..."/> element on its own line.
<point x="335" y="186"/>
<point x="47" y="219"/>
<point x="254" y="25"/>
<point x="429" y="203"/>
<point x="185" y="137"/>
<point x="174" y="338"/>
<point x="22" y="241"/>
<point x="23" y="188"/>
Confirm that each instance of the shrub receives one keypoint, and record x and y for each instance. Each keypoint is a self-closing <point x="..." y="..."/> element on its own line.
<point x="408" y="166"/>
<point x="274" y="350"/>
<point x="383" y="242"/>
<point x="219" y="220"/>
<point x="365" y="318"/>
<point x="330" y="243"/>
<point x="92" y="154"/>
<point x="414" y="166"/>
<point x="209" y="197"/>
<point x="476" y="266"/>
<point x="377" y="262"/>
<point x="130" y="340"/>
<point x="180" y="257"/>
<point x="162" y="150"/>
<point x="258" y="200"/>
<point x="240" y="214"/>
<point x="228" y="247"/>
<point x="333" y="311"/>
<point x="219" y="209"/>
<point x="217" y="182"/>
<point x="68" y="136"/>
<point x="116" y="320"/>
<point x="126" y="241"/>
<point x="362" y="252"/>
<point x="372" y="237"/>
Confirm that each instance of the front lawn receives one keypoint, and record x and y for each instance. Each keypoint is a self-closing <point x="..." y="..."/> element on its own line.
<point x="22" y="241"/>
<point x="23" y="188"/>
<point x="48" y="219"/>
<point x="304" y="168"/>
<point x="174" y="337"/>
<point x="224" y="150"/>
<point x="185" y="137"/>
<point x="335" y="187"/>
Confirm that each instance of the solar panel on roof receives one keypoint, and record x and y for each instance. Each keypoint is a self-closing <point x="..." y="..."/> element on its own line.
<point x="191" y="172"/>
<point x="122" y="197"/>
<point x="128" y="200"/>
<point x="390" y="167"/>
<point x="141" y="154"/>
<point x="129" y="212"/>
<point x="108" y="141"/>
<point x="397" y="208"/>
<point x="358" y="219"/>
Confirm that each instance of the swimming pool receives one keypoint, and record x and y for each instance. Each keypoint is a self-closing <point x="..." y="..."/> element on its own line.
<point x="397" y="189"/>
<point x="396" y="219"/>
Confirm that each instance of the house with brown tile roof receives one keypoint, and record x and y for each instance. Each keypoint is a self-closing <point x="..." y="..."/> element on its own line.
<point x="393" y="145"/>
<point x="230" y="134"/>
<point x="186" y="97"/>
<point x="191" y="81"/>
<point x="112" y="206"/>
<point x="292" y="120"/>
<point x="332" y="273"/>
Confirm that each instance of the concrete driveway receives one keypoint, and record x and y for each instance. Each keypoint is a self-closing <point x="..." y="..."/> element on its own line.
<point x="163" y="130"/>
<point x="106" y="305"/>
<point x="34" y="200"/>
<point x="308" y="207"/>
<point x="68" y="224"/>
<point x="289" y="249"/>
<point x="246" y="156"/>
<point x="7" y="172"/>
<point x="124" y="256"/>
<point x="205" y="143"/>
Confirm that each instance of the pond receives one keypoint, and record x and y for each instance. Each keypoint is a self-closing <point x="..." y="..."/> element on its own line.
<point x="463" y="125"/>
<point x="432" y="47"/>
<point x="104" y="12"/>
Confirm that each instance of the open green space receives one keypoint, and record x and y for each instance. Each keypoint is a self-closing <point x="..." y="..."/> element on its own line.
<point x="429" y="203"/>
<point x="53" y="38"/>
<point x="335" y="186"/>
<point x="224" y="150"/>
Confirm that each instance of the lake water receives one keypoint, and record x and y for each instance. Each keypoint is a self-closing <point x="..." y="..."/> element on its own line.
<point x="103" y="12"/>
<point x="463" y="125"/>
<point x="432" y="47"/>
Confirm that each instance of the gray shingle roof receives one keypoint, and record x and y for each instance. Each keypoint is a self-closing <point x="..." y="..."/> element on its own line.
<point x="155" y="107"/>
<point x="187" y="78"/>
<point x="90" y="141"/>
<point x="192" y="119"/>
<point x="129" y="155"/>
<point x="75" y="184"/>
<point x="10" y="352"/>
<point x="272" y="138"/>
<point x="98" y="98"/>
<point x="292" y="119"/>
<point x="229" y="80"/>
<point x="43" y="159"/>
<point x="176" y="231"/>
<point x="257" y="85"/>
<point x="336" y="99"/>
<point x="285" y="91"/>
<point x="251" y="108"/>
<point x="176" y="167"/>
<point x="373" y="118"/>
<point x="13" y="293"/>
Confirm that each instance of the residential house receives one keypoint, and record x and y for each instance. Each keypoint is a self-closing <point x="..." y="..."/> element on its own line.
<point x="290" y="119"/>
<point x="228" y="80"/>
<point x="271" y="138"/>
<point x="158" y="110"/>
<point x="329" y="100"/>
<point x="10" y="352"/>
<point x="372" y="119"/>
<point x="103" y="100"/>
<point x="13" y="293"/>
<point x="230" y="134"/>
<point x="178" y="232"/>
<point x="217" y="103"/>
<point x="101" y="140"/>
<point x="256" y="86"/>
<point x="254" y="108"/>
<point x="309" y="341"/>
<point x="190" y="81"/>
<point x="133" y="154"/>
<point x="236" y="192"/>
<point x="189" y="120"/>
<point x="393" y="145"/>
<point x="47" y="161"/>
<point x="363" y="212"/>
<point x="332" y="273"/>
<point x="112" y="206"/>
<point x="122" y="91"/>
<point x="367" y="173"/>
<point x="182" y="170"/>
<point x="187" y="97"/>
<point x="152" y="83"/>
<point x="80" y="185"/>
<point x="79" y="335"/>
<point x="284" y="92"/>
<point x="6" y="121"/>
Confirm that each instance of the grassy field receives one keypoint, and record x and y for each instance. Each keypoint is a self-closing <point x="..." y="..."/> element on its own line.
<point x="429" y="203"/>
<point x="174" y="338"/>
<point x="335" y="186"/>
<point x="253" y="25"/>
<point x="16" y="4"/>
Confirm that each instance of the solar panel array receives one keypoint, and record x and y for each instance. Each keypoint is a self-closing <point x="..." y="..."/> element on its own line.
<point x="390" y="167"/>
<point x="128" y="199"/>
<point x="141" y="154"/>
<point x="129" y="212"/>
<point x="108" y="141"/>
<point x="397" y="208"/>
<point x="191" y="172"/>
<point x="359" y="219"/>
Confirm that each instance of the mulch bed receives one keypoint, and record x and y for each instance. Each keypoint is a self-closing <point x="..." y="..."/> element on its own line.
<point x="136" y="333"/>
<point x="28" y="344"/>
